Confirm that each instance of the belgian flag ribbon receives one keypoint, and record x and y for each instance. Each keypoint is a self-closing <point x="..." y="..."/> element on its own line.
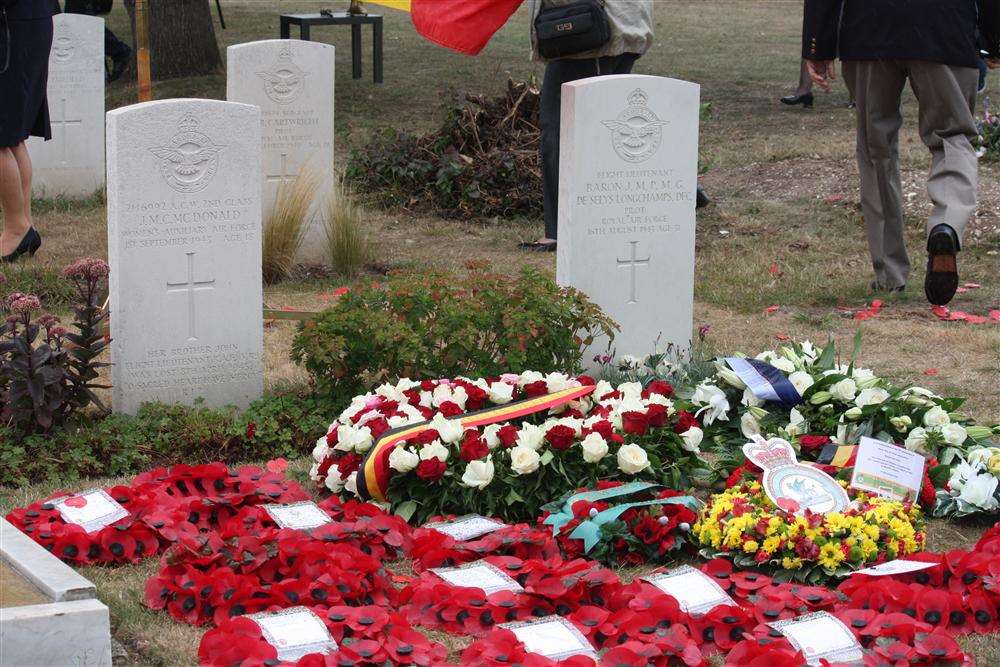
<point x="839" y="456"/>
<point x="373" y="477"/>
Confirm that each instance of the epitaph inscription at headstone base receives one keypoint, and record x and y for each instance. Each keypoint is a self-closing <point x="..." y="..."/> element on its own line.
<point x="72" y="163"/>
<point x="292" y="82"/>
<point x="627" y="179"/>
<point x="184" y="242"/>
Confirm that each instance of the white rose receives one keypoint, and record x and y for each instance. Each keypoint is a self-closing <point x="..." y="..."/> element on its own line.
<point x="500" y="392"/>
<point x="403" y="460"/>
<point x="490" y="435"/>
<point x="844" y="390"/>
<point x="434" y="450"/>
<point x="603" y="387"/>
<point x="749" y="426"/>
<point x="426" y="399"/>
<point x="396" y="421"/>
<point x="530" y="437"/>
<point x="863" y="374"/>
<point x="782" y="364"/>
<point x="524" y="460"/>
<point x="801" y="381"/>
<point x="936" y="416"/>
<point x="350" y="439"/>
<point x="872" y="396"/>
<point x="527" y="377"/>
<point x="980" y="491"/>
<point x="692" y="439"/>
<point x="916" y="441"/>
<point x="333" y="481"/>
<point x="351" y="484"/>
<point x="449" y="430"/>
<point x="954" y="434"/>
<point x="594" y="448"/>
<point x="321" y="450"/>
<point x="630" y="390"/>
<point x="478" y="474"/>
<point x="901" y="423"/>
<point x="660" y="399"/>
<point x="632" y="459"/>
<point x="558" y="382"/>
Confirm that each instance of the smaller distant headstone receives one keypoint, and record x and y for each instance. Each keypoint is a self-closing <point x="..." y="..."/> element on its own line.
<point x="291" y="80"/>
<point x="72" y="163"/>
<point x="628" y="171"/>
<point x="184" y="243"/>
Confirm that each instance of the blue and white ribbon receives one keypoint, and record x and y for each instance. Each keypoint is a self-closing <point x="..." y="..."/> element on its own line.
<point x="765" y="381"/>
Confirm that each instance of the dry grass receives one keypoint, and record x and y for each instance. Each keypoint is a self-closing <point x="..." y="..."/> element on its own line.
<point x="286" y="224"/>
<point x="347" y="240"/>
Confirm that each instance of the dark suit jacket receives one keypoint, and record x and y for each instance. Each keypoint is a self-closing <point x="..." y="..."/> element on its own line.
<point x="29" y="9"/>
<point x="942" y="31"/>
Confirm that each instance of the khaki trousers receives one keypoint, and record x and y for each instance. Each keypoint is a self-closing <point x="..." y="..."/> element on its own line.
<point x="946" y="97"/>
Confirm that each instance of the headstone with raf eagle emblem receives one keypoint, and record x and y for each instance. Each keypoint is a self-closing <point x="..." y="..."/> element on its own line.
<point x="628" y="169"/>
<point x="184" y="244"/>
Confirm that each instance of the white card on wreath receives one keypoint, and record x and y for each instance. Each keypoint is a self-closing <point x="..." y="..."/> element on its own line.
<point x="887" y="470"/>
<point x="551" y="636"/>
<point x="467" y="527"/>
<point x="478" y="574"/>
<point x="294" y="632"/>
<point x="696" y="592"/>
<point x="899" y="566"/>
<point x="303" y="515"/>
<point x="91" y="510"/>
<point x="821" y="636"/>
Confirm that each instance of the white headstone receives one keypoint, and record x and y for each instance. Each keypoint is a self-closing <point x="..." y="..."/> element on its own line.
<point x="627" y="178"/>
<point x="72" y="163"/>
<point x="291" y="80"/>
<point x="184" y="241"/>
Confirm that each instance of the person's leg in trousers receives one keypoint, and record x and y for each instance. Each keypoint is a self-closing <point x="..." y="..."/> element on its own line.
<point x="557" y="72"/>
<point x="947" y="97"/>
<point x="877" y="87"/>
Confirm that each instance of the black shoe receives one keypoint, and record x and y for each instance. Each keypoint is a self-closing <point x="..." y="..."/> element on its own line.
<point x="538" y="246"/>
<point x="941" y="280"/>
<point x="701" y="199"/>
<point x="30" y="244"/>
<point x="806" y="100"/>
<point x="119" y="64"/>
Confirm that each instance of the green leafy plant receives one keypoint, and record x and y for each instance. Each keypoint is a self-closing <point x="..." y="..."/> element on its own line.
<point x="434" y="324"/>
<point x="85" y="346"/>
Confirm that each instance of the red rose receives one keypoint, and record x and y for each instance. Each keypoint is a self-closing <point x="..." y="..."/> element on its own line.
<point x="538" y="388"/>
<point x="449" y="409"/>
<point x="605" y="428"/>
<point x="635" y="423"/>
<point x="656" y="414"/>
<point x="476" y="396"/>
<point x="377" y="426"/>
<point x="428" y="385"/>
<point x="425" y="437"/>
<point x="586" y="380"/>
<point x="658" y="387"/>
<point x="560" y="437"/>
<point x="431" y="470"/>
<point x="331" y="437"/>
<point x="473" y="447"/>
<point x="507" y="436"/>
<point x="348" y="463"/>
<point x="685" y="420"/>
<point x="811" y="442"/>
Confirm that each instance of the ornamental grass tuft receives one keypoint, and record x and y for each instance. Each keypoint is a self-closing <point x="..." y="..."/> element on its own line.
<point x="347" y="241"/>
<point x="286" y="225"/>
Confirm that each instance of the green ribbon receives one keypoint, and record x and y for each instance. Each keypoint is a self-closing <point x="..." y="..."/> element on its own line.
<point x="561" y="513"/>
<point x="589" y="530"/>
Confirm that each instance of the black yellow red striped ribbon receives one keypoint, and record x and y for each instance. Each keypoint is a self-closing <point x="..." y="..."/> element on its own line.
<point x="839" y="456"/>
<point x="373" y="477"/>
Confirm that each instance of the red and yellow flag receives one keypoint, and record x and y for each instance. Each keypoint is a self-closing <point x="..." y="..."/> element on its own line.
<point x="465" y="26"/>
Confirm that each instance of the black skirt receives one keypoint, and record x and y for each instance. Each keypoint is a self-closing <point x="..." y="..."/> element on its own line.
<point x="24" y="109"/>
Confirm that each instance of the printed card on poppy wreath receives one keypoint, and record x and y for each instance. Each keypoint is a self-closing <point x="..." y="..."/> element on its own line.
<point x="303" y="515"/>
<point x="551" y="636"/>
<point x="467" y="527"/>
<point x="821" y="636"/>
<point x="478" y="574"/>
<point x="91" y="510"/>
<point x="294" y="632"/>
<point x="695" y="591"/>
<point x="901" y="566"/>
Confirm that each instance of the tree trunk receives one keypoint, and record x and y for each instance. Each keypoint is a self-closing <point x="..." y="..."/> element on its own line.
<point x="181" y="38"/>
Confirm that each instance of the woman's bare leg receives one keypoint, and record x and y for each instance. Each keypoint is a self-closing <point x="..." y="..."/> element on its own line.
<point x="24" y="166"/>
<point x="15" y="216"/>
<point x="805" y="81"/>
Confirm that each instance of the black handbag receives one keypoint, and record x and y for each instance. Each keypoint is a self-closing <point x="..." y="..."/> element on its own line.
<point x="566" y="30"/>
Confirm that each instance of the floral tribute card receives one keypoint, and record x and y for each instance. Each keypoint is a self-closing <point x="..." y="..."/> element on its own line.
<point x="467" y="527"/>
<point x="887" y="470"/>
<point x="821" y="636"/>
<point x="91" y="510"/>
<point x="478" y="574"/>
<point x="551" y="636"/>
<point x="294" y="632"/>
<point x="696" y="592"/>
<point x="900" y="566"/>
<point x="303" y="515"/>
